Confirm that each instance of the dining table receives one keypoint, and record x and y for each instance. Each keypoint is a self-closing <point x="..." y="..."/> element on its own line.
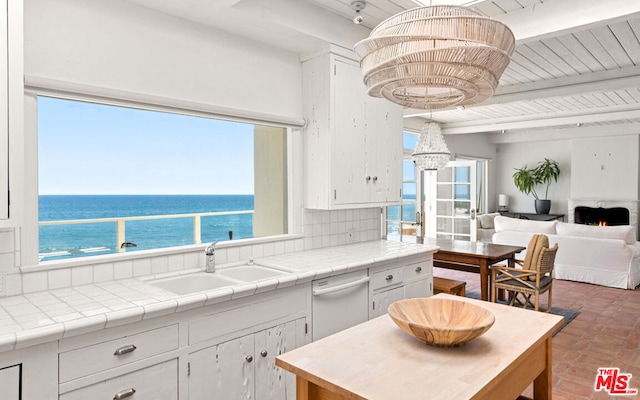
<point x="476" y="257"/>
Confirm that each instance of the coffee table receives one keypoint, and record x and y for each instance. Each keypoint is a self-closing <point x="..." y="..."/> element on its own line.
<point x="476" y="257"/>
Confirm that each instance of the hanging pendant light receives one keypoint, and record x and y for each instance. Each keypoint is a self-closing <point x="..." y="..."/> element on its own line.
<point x="431" y="152"/>
<point x="435" y="57"/>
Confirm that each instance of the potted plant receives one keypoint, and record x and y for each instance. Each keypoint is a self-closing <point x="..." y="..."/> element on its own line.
<point x="526" y="179"/>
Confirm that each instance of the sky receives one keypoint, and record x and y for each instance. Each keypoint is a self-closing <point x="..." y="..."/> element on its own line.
<point x="86" y="148"/>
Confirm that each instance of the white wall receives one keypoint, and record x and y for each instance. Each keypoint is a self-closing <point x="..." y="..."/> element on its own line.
<point x="118" y="45"/>
<point x="515" y="155"/>
<point x="605" y="168"/>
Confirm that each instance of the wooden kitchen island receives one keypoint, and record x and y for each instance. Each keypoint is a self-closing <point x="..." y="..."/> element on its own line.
<point x="377" y="361"/>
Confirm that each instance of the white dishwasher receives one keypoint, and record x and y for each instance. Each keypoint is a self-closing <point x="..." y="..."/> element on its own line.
<point x="339" y="302"/>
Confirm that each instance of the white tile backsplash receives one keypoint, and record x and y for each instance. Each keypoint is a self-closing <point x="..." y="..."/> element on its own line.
<point x="246" y="252"/>
<point x="59" y="278"/>
<point x="123" y="269"/>
<point x="103" y="272"/>
<point x="176" y="262"/>
<point x="340" y="227"/>
<point x="142" y="266"/>
<point x="258" y="250"/>
<point x="34" y="282"/>
<point x="81" y="275"/>
<point x="233" y="255"/>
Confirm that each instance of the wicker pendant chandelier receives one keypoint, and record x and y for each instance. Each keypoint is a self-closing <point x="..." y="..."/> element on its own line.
<point x="435" y="57"/>
<point x="431" y="152"/>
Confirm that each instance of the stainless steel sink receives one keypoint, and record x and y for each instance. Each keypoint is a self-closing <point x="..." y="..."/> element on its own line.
<point x="197" y="282"/>
<point x="250" y="273"/>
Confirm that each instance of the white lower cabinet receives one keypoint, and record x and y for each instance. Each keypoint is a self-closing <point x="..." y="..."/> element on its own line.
<point x="382" y="301"/>
<point x="138" y="362"/>
<point x="115" y="353"/>
<point x="418" y="278"/>
<point x="30" y="373"/>
<point x="410" y="278"/>
<point x="10" y="382"/>
<point x="244" y="368"/>
<point x="157" y="382"/>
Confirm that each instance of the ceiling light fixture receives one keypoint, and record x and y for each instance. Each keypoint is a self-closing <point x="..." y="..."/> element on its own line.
<point x="435" y="57"/>
<point x="431" y="152"/>
<point x="358" y="6"/>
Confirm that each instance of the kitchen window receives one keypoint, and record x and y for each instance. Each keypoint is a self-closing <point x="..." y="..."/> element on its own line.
<point x="119" y="179"/>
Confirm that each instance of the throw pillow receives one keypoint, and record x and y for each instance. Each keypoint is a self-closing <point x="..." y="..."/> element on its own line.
<point x="488" y="222"/>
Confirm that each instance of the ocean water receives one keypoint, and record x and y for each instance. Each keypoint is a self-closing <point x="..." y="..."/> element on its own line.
<point x="76" y="240"/>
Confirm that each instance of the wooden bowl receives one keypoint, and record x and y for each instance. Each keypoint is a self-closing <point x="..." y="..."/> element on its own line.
<point x="441" y="322"/>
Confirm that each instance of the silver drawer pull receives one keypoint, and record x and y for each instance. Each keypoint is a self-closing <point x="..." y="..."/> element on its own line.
<point x="389" y="277"/>
<point x="418" y="269"/>
<point x="124" y="350"/>
<point x="249" y="358"/>
<point x="124" y="394"/>
<point x="263" y="353"/>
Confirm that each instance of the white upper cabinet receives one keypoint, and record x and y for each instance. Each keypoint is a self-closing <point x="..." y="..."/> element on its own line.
<point x="353" y="142"/>
<point x="4" y="112"/>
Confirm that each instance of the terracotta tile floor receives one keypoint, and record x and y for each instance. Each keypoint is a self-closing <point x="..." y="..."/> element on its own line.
<point x="605" y="334"/>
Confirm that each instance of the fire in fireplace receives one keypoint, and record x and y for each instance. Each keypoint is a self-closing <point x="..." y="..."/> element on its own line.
<point x="601" y="216"/>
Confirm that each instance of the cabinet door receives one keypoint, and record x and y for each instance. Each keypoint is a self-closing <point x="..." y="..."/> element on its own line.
<point x="390" y="121"/>
<point x="382" y="301"/>
<point x="274" y="383"/>
<point x="348" y="135"/>
<point x="421" y="288"/>
<point x="4" y="114"/>
<point x="10" y="382"/>
<point x="223" y="371"/>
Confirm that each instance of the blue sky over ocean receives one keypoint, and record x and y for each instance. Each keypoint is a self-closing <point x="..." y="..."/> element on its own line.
<point x="85" y="148"/>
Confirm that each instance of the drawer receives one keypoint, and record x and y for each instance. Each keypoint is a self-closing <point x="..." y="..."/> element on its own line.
<point x="157" y="382"/>
<point x="416" y="270"/>
<point x="114" y="353"/>
<point x="387" y="277"/>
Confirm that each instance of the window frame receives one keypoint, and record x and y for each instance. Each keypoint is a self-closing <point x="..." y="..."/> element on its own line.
<point x="30" y="218"/>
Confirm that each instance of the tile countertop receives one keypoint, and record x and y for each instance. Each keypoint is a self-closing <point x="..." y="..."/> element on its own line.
<point x="41" y="317"/>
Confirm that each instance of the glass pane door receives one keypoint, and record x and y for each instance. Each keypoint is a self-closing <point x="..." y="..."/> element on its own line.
<point x="404" y="220"/>
<point x="452" y="201"/>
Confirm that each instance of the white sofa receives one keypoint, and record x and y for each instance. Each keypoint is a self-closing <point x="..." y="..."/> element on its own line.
<point x="602" y="255"/>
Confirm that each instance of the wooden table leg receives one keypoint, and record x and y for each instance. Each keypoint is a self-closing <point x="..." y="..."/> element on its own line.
<point x="484" y="280"/>
<point x="302" y="388"/>
<point x="542" y="385"/>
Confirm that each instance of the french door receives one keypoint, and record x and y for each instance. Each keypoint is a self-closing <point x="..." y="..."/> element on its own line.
<point x="439" y="204"/>
<point x="450" y="201"/>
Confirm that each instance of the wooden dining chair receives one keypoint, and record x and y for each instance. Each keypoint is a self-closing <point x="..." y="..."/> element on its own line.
<point x="533" y="277"/>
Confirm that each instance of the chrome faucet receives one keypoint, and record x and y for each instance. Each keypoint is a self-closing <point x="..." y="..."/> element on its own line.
<point x="210" y="255"/>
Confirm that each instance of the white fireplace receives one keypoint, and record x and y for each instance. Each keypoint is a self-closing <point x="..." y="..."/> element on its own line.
<point x="631" y="205"/>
